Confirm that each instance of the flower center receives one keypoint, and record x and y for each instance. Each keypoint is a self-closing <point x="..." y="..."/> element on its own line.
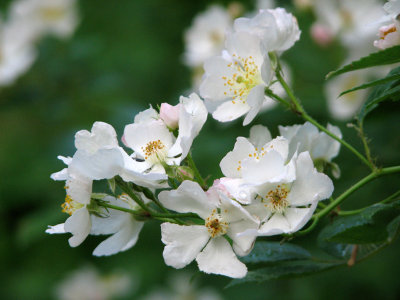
<point x="276" y="200"/>
<point x="70" y="206"/>
<point x="52" y="13"/>
<point x="155" y="151"/>
<point x="389" y="29"/>
<point x="215" y="224"/>
<point x="246" y="77"/>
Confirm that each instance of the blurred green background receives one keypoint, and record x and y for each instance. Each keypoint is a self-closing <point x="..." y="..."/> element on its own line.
<point x="124" y="56"/>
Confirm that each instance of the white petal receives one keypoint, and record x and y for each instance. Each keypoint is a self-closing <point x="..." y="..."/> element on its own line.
<point x="103" y="164"/>
<point x="149" y="114"/>
<point x="79" y="225"/>
<point x="66" y="160"/>
<point x="101" y="135"/>
<point x="259" y="136"/>
<point x="182" y="243"/>
<point x="137" y="136"/>
<point x="280" y="145"/>
<point x="120" y="241"/>
<point x="277" y="224"/>
<point x="61" y="175"/>
<point x="298" y="217"/>
<point x="236" y="188"/>
<point x="255" y="100"/>
<point x="231" y="163"/>
<point x="192" y="116"/>
<point x="189" y="197"/>
<point x="244" y="45"/>
<point x="114" y="219"/>
<point x="212" y="88"/>
<point x="79" y="188"/>
<point x="218" y="258"/>
<point x="59" y="228"/>
<point x="325" y="147"/>
<point x="269" y="168"/>
<point x="229" y="111"/>
<point x="218" y="66"/>
<point x="310" y="185"/>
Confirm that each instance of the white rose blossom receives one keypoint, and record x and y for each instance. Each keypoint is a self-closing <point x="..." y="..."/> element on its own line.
<point x="277" y="29"/>
<point x="389" y="35"/>
<point x="206" y="243"/>
<point x="307" y="137"/>
<point x="234" y="83"/>
<point x="286" y="206"/>
<point x="57" y="17"/>
<point x="154" y="144"/>
<point x="98" y="157"/>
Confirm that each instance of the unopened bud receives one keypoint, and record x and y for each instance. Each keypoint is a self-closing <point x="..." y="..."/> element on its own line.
<point x="170" y="115"/>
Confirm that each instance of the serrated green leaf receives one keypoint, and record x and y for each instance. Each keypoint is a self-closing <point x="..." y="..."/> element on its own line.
<point x="388" y="78"/>
<point x="273" y="251"/>
<point x="368" y="226"/>
<point x="383" y="57"/>
<point x="285" y="269"/>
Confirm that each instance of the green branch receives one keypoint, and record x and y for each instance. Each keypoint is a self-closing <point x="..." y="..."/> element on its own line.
<point x="197" y="174"/>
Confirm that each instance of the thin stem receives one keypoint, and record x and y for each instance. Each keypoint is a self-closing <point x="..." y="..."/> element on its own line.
<point x="332" y="205"/>
<point x="365" y="142"/>
<point x="300" y="111"/>
<point x="197" y="174"/>
<point x="352" y="189"/>
<point x="356" y="211"/>
<point x="131" y="211"/>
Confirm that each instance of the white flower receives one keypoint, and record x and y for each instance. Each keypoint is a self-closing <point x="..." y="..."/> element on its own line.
<point x="57" y="17"/>
<point x="122" y="225"/>
<point x="389" y="36"/>
<point x="353" y="22"/>
<point x="255" y="161"/>
<point x="154" y="144"/>
<point x="206" y="243"/>
<point x="306" y="137"/>
<point x="285" y="207"/>
<point x="205" y="38"/>
<point x="16" y="51"/>
<point x="88" y="284"/>
<point x="277" y="29"/>
<point x="234" y="83"/>
<point x="345" y="107"/>
<point x="98" y="156"/>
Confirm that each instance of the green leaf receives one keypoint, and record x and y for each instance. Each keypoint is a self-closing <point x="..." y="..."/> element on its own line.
<point x="285" y="269"/>
<point x="384" y="57"/>
<point x="388" y="78"/>
<point x="368" y="226"/>
<point x="111" y="185"/>
<point x="265" y="252"/>
<point x="382" y="93"/>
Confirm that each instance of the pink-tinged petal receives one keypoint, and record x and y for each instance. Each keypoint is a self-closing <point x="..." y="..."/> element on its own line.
<point x="259" y="136"/>
<point x="229" y="111"/>
<point x="310" y="185"/>
<point x="255" y="100"/>
<point x="189" y="197"/>
<point x="218" y="258"/>
<point x="170" y="115"/>
<point x="277" y="224"/>
<point x="231" y="163"/>
<point x="79" y="225"/>
<point x="182" y="243"/>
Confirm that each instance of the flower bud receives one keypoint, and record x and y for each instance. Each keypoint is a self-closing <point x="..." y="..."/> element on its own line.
<point x="321" y="35"/>
<point x="170" y="115"/>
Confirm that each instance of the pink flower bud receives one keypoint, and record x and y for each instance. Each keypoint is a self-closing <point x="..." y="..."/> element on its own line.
<point x="321" y="34"/>
<point x="170" y="115"/>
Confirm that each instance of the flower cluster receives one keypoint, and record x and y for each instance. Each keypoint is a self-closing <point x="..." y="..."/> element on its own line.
<point x="271" y="186"/>
<point x="28" y="21"/>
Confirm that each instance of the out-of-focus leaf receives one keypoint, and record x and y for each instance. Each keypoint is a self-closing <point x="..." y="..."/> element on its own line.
<point x="384" y="57"/>
<point x="384" y="92"/>
<point x="274" y="251"/>
<point x="368" y="226"/>
<point x="285" y="269"/>
<point x="343" y="251"/>
<point x="389" y="78"/>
